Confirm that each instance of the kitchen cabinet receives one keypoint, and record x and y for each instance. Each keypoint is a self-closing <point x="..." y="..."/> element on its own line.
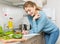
<point x="38" y="39"/>
<point x="33" y="40"/>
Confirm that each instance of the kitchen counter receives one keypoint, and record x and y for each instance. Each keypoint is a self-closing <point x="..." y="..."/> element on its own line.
<point x="27" y="39"/>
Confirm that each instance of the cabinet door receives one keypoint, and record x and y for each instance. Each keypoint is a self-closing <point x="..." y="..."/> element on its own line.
<point x="35" y="40"/>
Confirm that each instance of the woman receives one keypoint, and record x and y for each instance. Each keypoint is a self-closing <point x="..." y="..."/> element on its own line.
<point x="40" y="23"/>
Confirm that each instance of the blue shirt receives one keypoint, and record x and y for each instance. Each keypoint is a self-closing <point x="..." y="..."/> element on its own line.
<point x="43" y="24"/>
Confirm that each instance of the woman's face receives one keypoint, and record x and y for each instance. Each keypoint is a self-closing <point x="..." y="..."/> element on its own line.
<point x="30" y="10"/>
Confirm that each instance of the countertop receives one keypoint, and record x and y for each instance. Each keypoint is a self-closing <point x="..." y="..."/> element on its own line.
<point x="18" y="41"/>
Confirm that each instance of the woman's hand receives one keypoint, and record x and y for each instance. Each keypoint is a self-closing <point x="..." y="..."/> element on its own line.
<point x="25" y="32"/>
<point x="36" y="17"/>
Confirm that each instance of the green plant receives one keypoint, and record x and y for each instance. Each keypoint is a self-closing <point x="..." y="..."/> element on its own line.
<point x="6" y="37"/>
<point x="1" y="30"/>
<point x="17" y="36"/>
<point x="8" y="33"/>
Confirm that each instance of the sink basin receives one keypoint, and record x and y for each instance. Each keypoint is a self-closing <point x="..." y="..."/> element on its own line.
<point x="31" y="34"/>
<point x="28" y="36"/>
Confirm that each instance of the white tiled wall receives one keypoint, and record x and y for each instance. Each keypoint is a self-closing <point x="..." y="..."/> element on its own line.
<point x="15" y="13"/>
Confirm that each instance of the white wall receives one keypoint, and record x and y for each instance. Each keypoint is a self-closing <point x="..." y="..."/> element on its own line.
<point x="55" y="4"/>
<point x="15" y="13"/>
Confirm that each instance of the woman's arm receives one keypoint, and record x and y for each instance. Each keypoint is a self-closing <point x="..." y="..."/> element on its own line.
<point x="38" y="27"/>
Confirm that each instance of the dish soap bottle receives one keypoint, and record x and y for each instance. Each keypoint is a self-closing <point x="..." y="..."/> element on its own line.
<point x="10" y="24"/>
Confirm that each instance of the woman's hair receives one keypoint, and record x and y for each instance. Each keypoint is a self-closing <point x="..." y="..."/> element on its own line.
<point x="31" y="4"/>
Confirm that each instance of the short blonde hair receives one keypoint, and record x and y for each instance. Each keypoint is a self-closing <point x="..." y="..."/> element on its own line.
<point x="31" y="4"/>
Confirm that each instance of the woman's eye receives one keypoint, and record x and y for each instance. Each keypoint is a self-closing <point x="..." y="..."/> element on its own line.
<point x="26" y="11"/>
<point x="29" y="10"/>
